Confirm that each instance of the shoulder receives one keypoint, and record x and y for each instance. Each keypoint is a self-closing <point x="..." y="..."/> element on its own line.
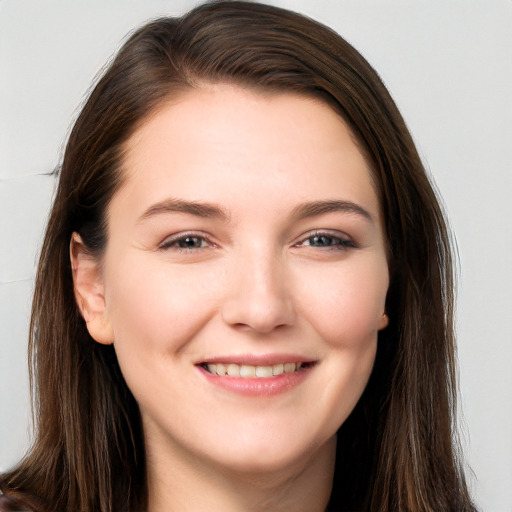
<point x="11" y="504"/>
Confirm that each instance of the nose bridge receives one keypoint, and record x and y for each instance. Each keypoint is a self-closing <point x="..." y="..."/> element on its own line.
<point x="258" y="294"/>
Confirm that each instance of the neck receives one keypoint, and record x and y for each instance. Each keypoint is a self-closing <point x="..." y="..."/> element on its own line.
<point x="183" y="484"/>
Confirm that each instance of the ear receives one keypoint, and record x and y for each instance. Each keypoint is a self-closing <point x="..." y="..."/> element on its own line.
<point x="383" y="322"/>
<point x="90" y="291"/>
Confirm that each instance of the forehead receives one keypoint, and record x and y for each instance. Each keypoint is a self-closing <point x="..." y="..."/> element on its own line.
<point x="221" y="141"/>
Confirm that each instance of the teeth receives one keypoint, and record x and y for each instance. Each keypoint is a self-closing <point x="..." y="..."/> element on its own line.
<point x="233" y="370"/>
<point x="289" y="367"/>
<point x="248" y="371"/>
<point x="264" y="371"/>
<point x="277" y="369"/>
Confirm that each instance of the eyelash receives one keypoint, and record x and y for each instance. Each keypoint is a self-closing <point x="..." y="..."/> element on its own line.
<point x="336" y="243"/>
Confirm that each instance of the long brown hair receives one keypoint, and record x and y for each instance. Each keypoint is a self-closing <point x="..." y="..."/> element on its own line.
<point x="396" y="450"/>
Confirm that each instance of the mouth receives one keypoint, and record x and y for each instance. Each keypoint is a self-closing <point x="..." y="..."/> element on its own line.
<point x="256" y="375"/>
<point x="248" y="371"/>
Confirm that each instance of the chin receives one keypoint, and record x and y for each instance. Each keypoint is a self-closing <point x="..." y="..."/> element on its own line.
<point x="271" y="456"/>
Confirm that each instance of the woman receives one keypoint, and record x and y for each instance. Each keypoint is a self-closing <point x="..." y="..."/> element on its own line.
<point x="244" y="298"/>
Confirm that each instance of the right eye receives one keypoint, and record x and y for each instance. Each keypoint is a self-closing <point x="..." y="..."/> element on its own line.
<point x="185" y="242"/>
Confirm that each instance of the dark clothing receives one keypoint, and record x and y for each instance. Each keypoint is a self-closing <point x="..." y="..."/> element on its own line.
<point x="10" y="504"/>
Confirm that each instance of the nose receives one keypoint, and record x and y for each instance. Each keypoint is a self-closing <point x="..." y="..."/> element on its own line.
<point x="258" y="296"/>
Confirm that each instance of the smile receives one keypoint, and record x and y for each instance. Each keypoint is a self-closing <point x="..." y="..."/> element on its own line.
<point x="247" y="371"/>
<point x="267" y="376"/>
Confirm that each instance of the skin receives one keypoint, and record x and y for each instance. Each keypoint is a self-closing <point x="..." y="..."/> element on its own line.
<point x="254" y="279"/>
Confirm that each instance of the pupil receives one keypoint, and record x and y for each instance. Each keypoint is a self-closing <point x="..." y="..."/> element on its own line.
<point x="190" y="241"/>
<point x="321" y="240"/>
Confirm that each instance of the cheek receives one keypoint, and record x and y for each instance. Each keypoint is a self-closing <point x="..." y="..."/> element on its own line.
<point x="155" y="305"/>
<point x="346" y="312"/>
<point x="346" y="304"/>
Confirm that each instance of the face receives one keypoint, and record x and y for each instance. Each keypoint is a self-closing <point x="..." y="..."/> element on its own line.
<point x="245" y="276"/>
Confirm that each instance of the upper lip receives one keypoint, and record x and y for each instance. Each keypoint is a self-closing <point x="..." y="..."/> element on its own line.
<point x="257" y="360"/>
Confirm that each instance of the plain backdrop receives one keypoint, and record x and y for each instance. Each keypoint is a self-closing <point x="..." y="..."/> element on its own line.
<point x="448" y="65"/>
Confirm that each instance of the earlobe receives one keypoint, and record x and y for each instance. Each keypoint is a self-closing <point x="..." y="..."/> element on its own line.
<point x="383" y="322"/>
<point x="90" y="291"/>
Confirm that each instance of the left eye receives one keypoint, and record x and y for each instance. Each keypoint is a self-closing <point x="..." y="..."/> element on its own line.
<point x="324" y="240"/>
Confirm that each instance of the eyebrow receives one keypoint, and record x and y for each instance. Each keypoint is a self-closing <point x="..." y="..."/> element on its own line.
<point x="314" y="208"/>
<point x="199" y="209"/>
<point x="209" y="210"/>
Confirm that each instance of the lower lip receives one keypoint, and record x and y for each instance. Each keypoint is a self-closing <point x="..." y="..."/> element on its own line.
<point x="258" y="386"/>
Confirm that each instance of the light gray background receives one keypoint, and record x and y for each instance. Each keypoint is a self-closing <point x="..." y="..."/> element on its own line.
<point x="448" y="65"/>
